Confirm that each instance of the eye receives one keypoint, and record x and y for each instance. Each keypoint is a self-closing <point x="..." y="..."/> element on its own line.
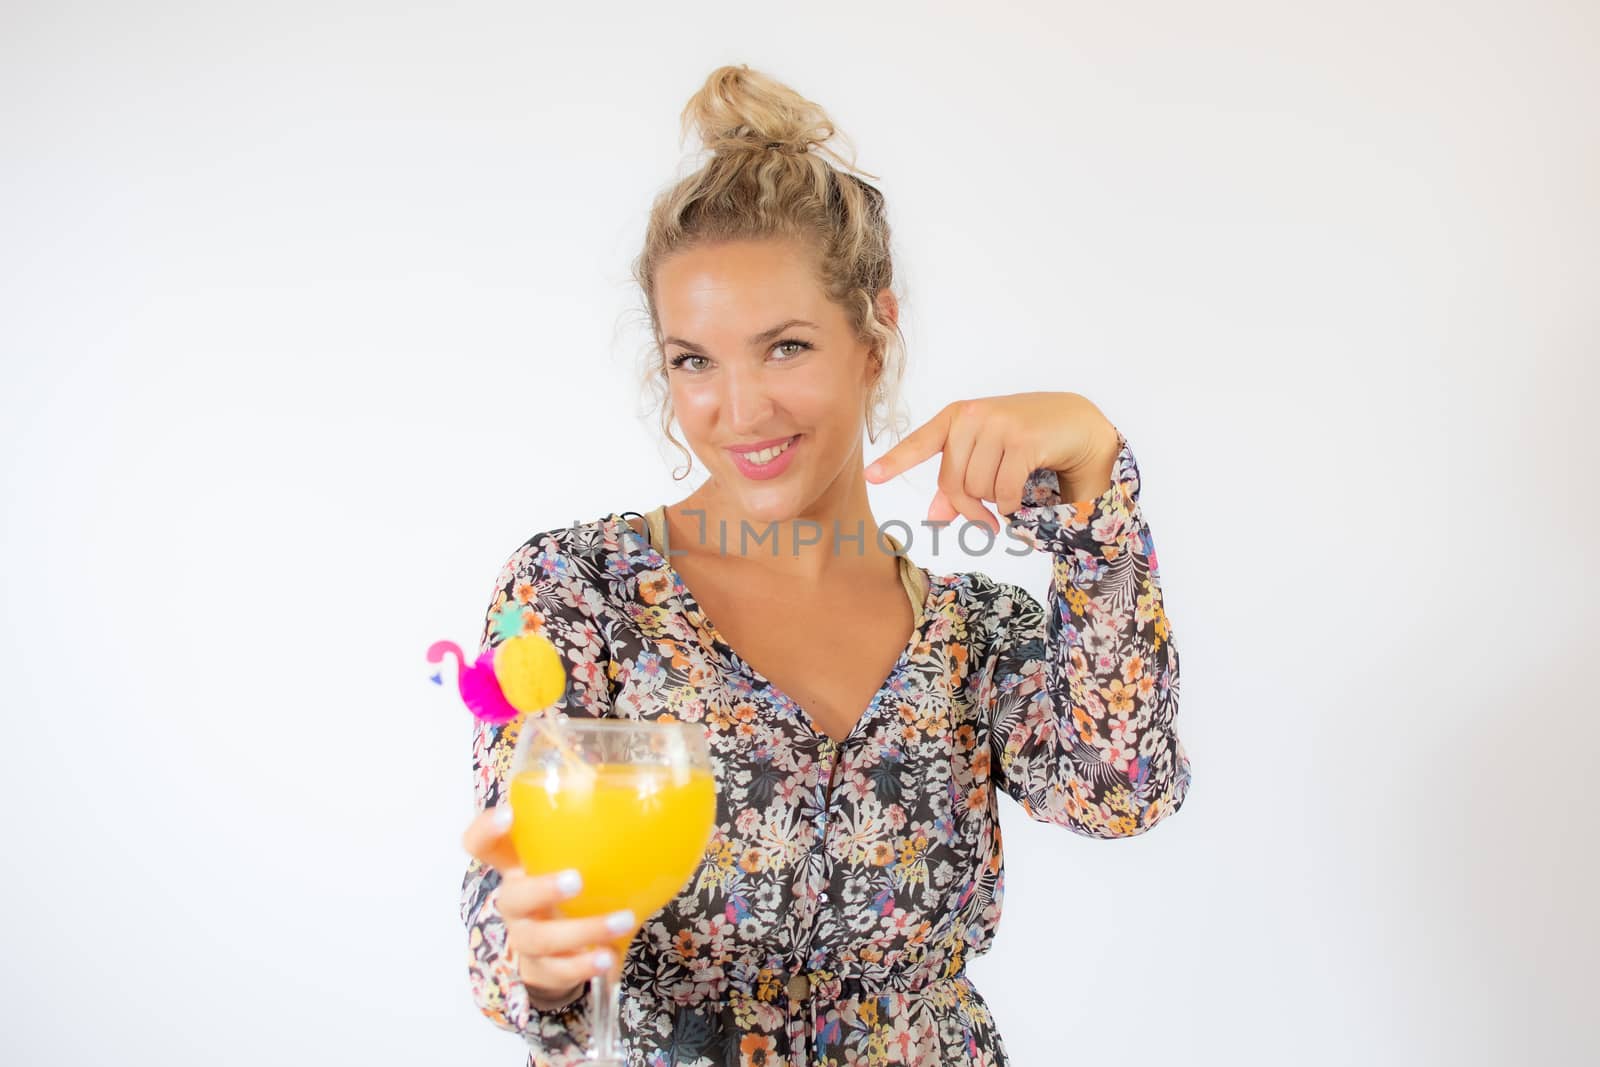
<point x="794" y="341"/>
<point x="684" y="357"/>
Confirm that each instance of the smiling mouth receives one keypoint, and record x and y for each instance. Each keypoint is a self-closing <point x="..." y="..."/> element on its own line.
<point x="764" y="456"/>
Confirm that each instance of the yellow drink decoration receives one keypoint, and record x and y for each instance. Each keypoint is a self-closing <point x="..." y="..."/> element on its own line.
<point x="530" y="672"/>
<point x="636" y="832"/>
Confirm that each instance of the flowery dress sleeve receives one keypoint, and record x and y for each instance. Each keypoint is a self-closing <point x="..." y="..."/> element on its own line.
<point x="540" y="589"/>
<point x="1081" y="695"/>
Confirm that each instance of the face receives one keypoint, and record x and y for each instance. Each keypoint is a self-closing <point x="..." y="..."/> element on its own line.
<point x="768" y="379"/>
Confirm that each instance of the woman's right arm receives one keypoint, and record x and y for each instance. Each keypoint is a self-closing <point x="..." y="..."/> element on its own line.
<point x="544" y="590"/>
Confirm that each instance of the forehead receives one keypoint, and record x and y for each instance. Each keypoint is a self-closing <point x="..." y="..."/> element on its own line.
<point x="735" y="286"/>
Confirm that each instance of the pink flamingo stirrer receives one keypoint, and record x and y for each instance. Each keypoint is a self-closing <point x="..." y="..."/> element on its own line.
<point x="523" y="673"/>
<point x="480" y="689"/>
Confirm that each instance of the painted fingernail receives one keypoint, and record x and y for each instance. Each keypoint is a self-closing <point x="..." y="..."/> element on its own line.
<point x="620" y="922"/>
<point x="569" y="882"/>
<point x="603" y="960"/>
<point x="501" y="818"/>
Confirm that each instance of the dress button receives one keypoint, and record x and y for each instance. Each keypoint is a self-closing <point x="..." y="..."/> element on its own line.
<point x="799" y="987"/>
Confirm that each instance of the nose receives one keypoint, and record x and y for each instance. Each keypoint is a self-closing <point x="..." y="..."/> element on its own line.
<point x="748" y="399"/>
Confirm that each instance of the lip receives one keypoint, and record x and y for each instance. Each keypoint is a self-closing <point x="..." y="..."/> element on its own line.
<point x="762" y="471"/>
<point x="759" y="445"/>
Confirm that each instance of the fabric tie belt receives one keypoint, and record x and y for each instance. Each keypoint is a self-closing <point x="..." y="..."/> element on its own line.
<point x="808" y="993"/>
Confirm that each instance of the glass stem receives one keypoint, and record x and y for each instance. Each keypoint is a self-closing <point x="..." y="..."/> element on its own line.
<point x="605" y="1023"/>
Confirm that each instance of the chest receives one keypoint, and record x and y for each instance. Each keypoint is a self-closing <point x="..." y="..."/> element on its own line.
<point x="830" y="649"/>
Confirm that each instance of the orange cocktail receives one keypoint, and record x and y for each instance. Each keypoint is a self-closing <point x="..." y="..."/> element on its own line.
<point x="630" y="805"/>
<point x="635" y="831"/>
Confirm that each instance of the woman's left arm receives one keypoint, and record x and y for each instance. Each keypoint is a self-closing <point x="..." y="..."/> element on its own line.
<point x="1080" y="699"/>
<point x="1083" y="697"/>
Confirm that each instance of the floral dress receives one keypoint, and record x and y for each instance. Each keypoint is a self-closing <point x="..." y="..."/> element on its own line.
<point x="848" y="883"/>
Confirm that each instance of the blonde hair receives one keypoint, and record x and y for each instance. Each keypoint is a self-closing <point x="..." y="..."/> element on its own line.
<point x="767" y="177"/>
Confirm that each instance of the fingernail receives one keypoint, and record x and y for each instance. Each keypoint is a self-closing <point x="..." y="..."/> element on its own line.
<point x="603" y="960"/>
<point x="502" y="818"/>
<point x="569" y="882"/>
<point x="620" y="922"/>
<point x="872" y="470"/>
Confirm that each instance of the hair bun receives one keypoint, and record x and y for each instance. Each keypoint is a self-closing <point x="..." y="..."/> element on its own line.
<point x="744" y="110"/>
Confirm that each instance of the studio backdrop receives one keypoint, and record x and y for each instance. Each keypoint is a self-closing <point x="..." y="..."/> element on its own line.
<point x="313" y="313"/>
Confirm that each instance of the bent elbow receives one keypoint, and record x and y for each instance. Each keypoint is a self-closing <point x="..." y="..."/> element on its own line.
<point x="1123" y="814"/>
<point x="1162" y="807"/>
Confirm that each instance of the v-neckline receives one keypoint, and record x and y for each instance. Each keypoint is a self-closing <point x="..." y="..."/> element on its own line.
<point x="687" y="599"/>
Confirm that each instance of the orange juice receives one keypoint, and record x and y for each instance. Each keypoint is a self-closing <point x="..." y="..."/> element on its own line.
<point x="636" y="832"/>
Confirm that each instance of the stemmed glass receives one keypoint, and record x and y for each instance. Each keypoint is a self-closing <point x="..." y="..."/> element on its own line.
<point x="631" y="805"/>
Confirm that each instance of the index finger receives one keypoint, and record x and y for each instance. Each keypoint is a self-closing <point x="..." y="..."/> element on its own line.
<point x="536" y="895"/>
<point x="918" y="445"/>
<point x="487" y="841"/>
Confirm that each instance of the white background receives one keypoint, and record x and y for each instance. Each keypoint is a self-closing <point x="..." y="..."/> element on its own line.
<point x="312" y="313"/>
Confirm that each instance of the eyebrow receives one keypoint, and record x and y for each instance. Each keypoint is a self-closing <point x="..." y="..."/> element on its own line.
<point x="764" y="335"/>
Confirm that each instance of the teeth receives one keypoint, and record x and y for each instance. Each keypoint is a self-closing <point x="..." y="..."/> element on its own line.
<point x="767" y="455"/>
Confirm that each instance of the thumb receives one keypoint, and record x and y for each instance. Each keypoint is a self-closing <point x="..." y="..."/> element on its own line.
<point x="487" y="840"/>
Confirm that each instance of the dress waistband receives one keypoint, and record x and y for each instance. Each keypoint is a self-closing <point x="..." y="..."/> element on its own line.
<point x="807" y="999"/>
<point x="776" y="985"/>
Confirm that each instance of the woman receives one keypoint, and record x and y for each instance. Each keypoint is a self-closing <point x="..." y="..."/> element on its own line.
<point x="863" y="714"/>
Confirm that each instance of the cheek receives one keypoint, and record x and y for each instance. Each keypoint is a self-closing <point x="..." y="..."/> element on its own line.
<point x="824" y="401"/>
<point x="837" y="419"/>
<point x="695" y="405"/>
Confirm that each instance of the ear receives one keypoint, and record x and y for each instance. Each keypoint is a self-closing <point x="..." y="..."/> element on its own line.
<point x="888" y="306"/>
<point x="887" y="310"/>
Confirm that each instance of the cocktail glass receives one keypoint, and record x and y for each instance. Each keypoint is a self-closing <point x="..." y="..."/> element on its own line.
<point x="629" y="804"/>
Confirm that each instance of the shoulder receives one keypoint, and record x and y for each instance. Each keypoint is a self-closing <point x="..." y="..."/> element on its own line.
<point x="980" y="603"/>
<point x="585" y="563"/>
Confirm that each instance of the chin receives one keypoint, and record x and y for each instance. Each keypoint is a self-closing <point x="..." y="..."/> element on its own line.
<point x="771" y="504"/>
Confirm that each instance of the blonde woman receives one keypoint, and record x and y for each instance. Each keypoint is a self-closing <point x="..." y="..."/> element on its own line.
<point x="864" y="714"/>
